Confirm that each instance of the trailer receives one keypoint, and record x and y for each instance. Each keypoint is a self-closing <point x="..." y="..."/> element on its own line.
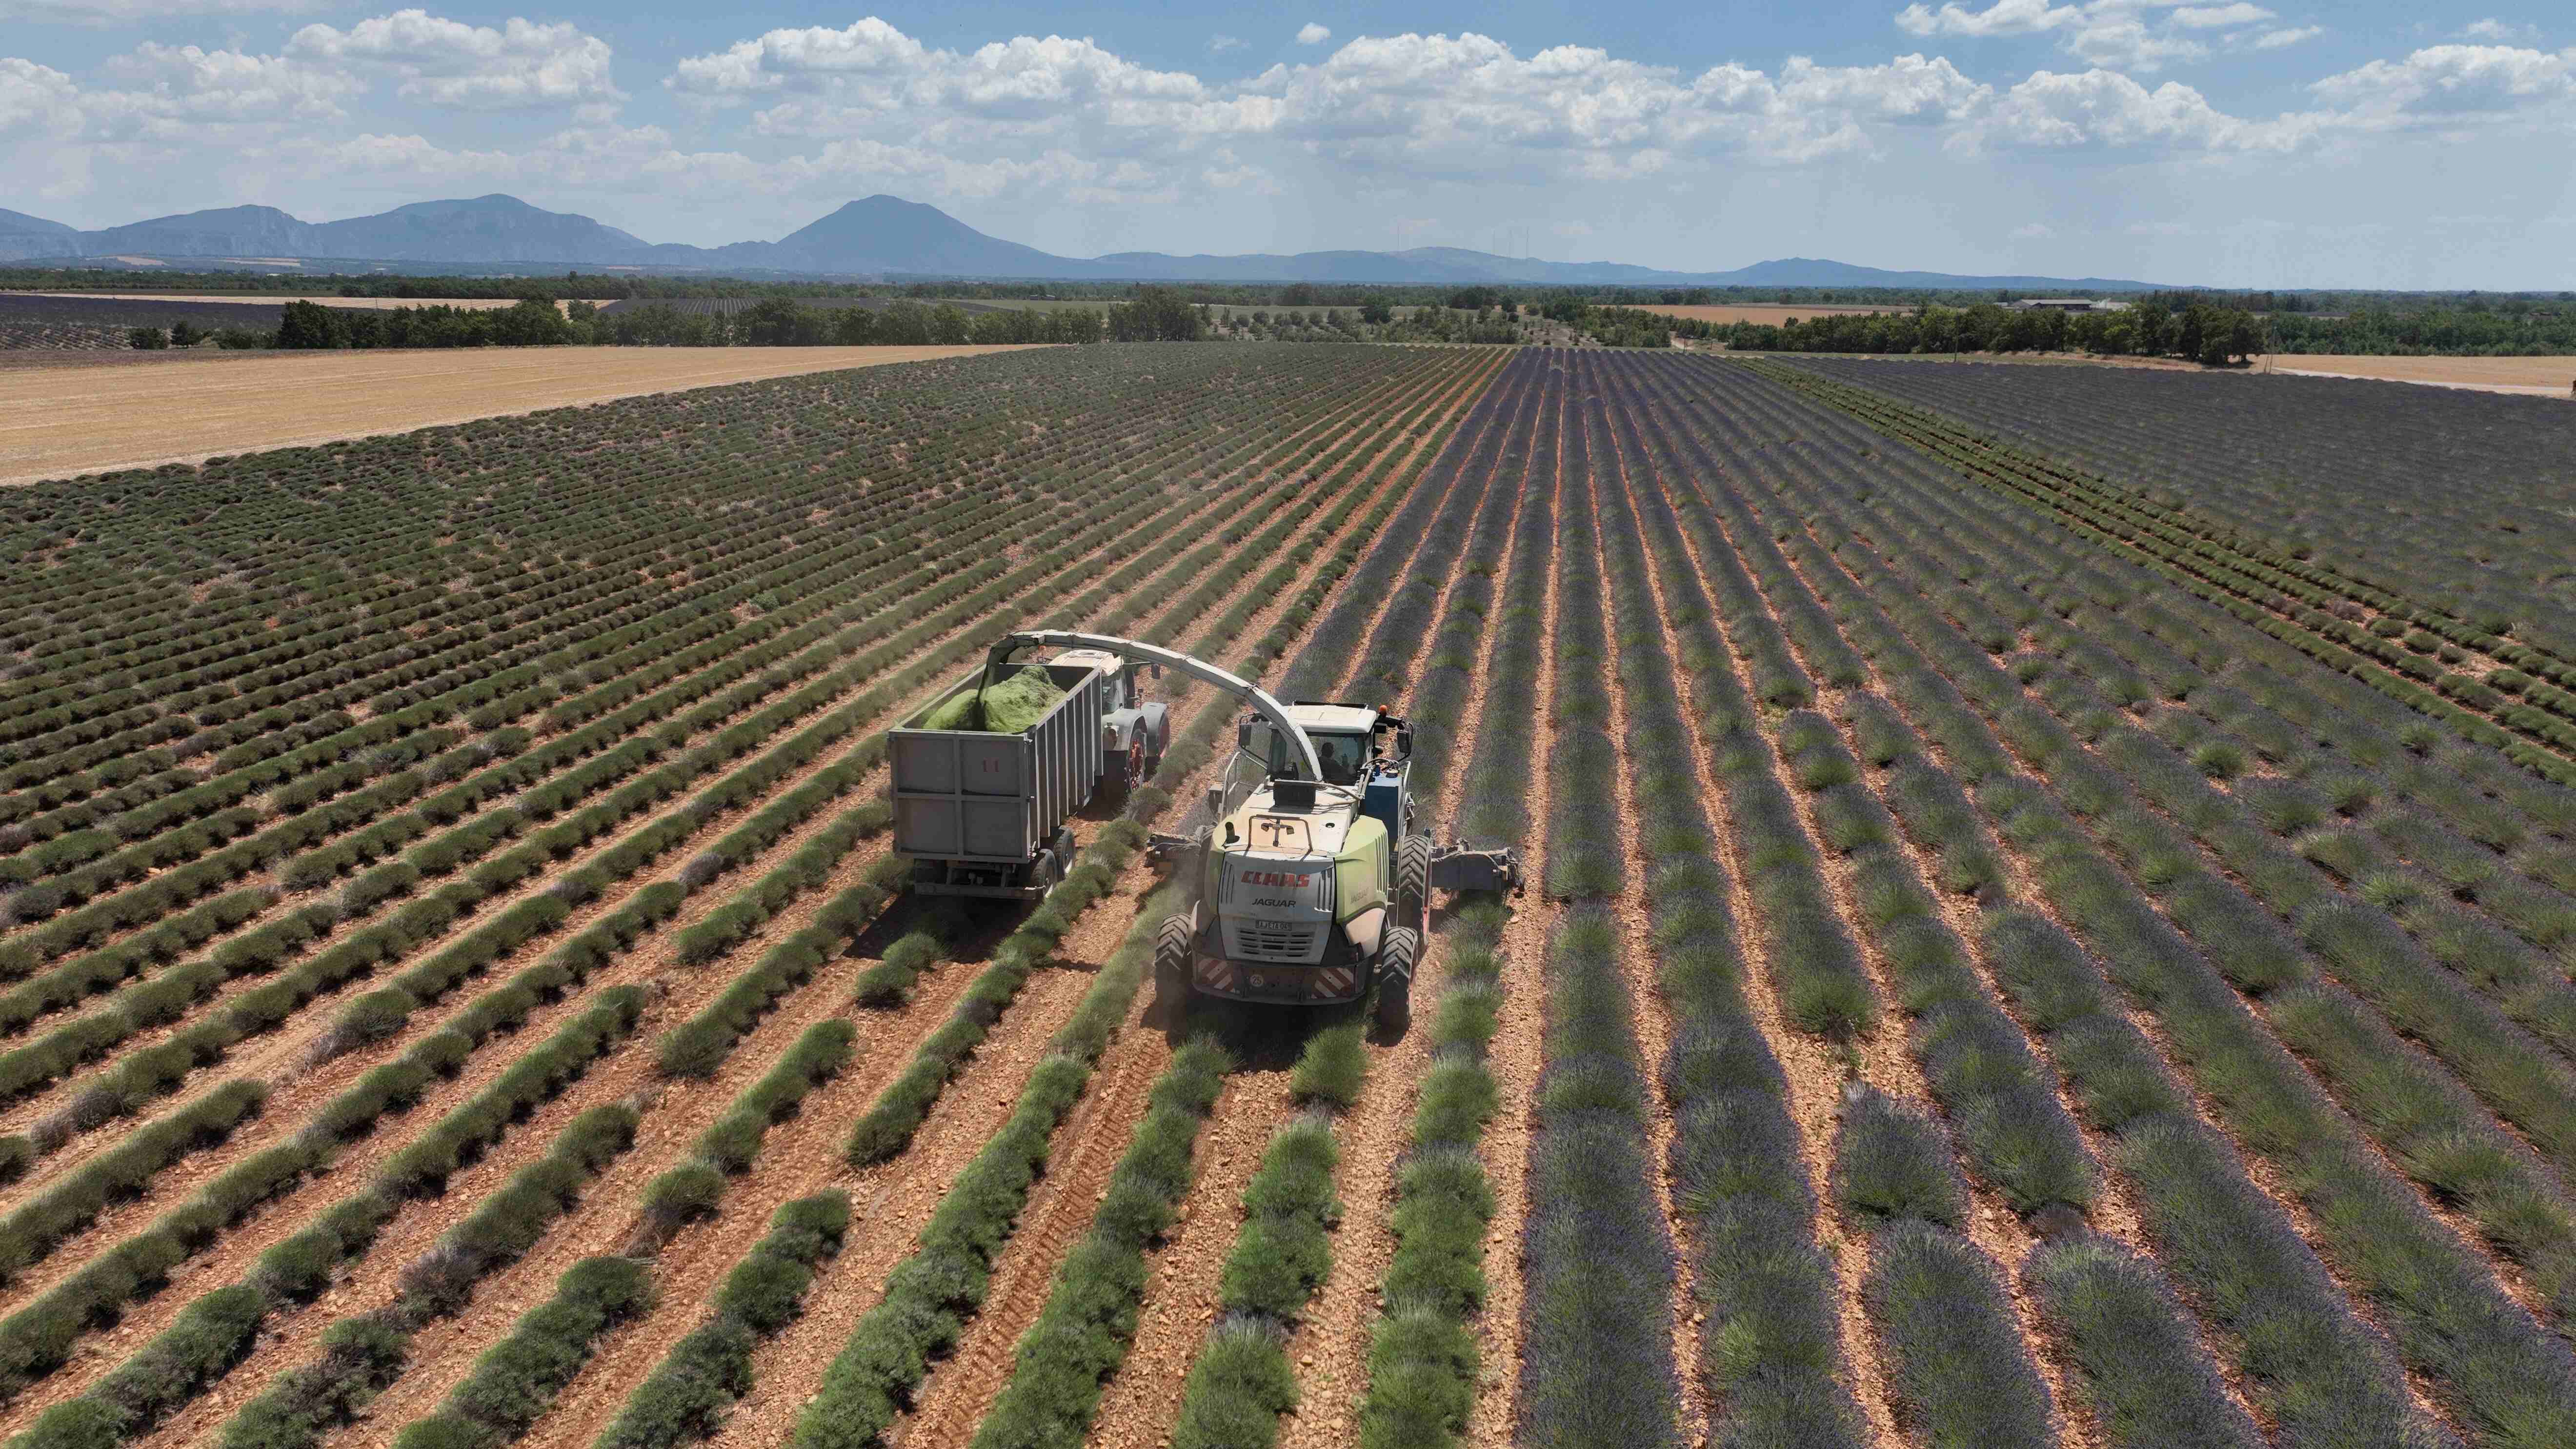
<point x="983" y="814"/>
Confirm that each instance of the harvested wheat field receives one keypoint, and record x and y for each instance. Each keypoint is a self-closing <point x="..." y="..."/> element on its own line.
<point x="2046" y="921"/>
<point x="2539" y="376"/>
<point x="1768" y="314"/>
<point x="59" y="422"/>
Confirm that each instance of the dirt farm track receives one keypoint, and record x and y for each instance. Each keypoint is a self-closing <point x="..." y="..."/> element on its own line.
<point x="61" y="422"/>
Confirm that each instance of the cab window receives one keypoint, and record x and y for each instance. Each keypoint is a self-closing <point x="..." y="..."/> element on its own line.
<point x="1344" y="757"/>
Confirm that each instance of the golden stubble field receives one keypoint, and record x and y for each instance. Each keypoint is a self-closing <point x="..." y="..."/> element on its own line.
<point x="2546" y="376"/>
<point x="61" y="422"/>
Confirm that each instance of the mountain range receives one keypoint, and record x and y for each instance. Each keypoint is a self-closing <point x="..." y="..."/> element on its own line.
<point x="876" y="237"/>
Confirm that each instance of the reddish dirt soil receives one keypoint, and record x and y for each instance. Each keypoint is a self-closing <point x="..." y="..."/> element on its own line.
<point x="1514" y="1057"/>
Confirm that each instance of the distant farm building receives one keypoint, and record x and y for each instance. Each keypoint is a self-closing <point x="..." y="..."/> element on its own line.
<point x="2062" y="304"/>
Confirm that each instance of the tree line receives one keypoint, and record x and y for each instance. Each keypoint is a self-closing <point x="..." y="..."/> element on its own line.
<point x="2202" y="333"/>
<point x="2183" y="325"/>
<point x="2451" y="332"/>
<point x="1153" y="316"/>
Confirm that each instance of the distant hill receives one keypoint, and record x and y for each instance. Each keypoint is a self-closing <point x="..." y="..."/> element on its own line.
<point x="22" y="235"/>
<point x="485" y="229"/>
<point x="889" y="234"/>
<point x="877" y="236"/>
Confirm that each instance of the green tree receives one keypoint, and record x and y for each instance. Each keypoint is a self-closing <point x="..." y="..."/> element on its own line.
<point x="771" y="323"/>
<point x="529" y="323"/>
<point x="1158" y="315"/>
<point x="309" y="326"/>
<point x="2244" y="335"/>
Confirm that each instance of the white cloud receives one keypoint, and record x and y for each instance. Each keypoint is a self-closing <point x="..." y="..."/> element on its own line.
<point x="1311" y="33"/>
<point x="1436" y="107"/>
<point x="449" y="63"/>
<point x="2450" y="83"/>
<point x="2119" y="34"/>
<point x="2004" y="17"/>
<point x="2033" y="231"/>
<point x="1220" y="44"/>
<point x="184" y="83"/>
<point x="2295" y="35"/>
<point x="2219" y="17"/>
<point x="2498" y="30"/>
<point x="36" y="97"/>
<point x="1399" y="110"/>
<point x="866" y="47"/>
<point x="2102" y="110"/>
<point x="2127" y="44"/>
<point x="1397" y="113"/>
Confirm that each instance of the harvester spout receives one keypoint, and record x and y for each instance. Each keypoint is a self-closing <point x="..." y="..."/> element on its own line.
<point x="1250" y="693"/>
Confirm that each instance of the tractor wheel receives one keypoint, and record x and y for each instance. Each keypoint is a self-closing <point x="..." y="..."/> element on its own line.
<point x="1413" y="882"/>
<point x="1153" y="758"/>
<point x="1172" y="968"/>
<point x="1395" y="958"/>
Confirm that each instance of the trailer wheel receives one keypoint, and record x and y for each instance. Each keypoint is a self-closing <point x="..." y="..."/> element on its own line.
<point x="1413" y="881"/>
<point x="1395" y="958"/>
<point x="1172" y="968"/>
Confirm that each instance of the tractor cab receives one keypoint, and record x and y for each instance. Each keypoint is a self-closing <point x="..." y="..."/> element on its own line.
<point x="1132" y="730"/>
<point x="1119" y="683"/>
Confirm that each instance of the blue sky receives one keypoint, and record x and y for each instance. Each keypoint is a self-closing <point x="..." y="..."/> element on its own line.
<point x="2231" y="142"/>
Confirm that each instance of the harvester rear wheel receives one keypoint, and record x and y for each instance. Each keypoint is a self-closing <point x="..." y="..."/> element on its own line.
<point x="1413" y="882"/>
<point x="1172" y="968"/>
<point x="1395" y="958"/>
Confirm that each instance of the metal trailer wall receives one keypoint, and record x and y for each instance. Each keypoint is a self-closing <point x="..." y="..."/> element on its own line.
<point x="990" y="799"/>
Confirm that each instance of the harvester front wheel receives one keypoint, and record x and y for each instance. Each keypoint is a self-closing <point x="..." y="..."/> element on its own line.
<point x="1413" y="882"/>
<point x="1395" y="959"/>
<point x="1172" y="968"/>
